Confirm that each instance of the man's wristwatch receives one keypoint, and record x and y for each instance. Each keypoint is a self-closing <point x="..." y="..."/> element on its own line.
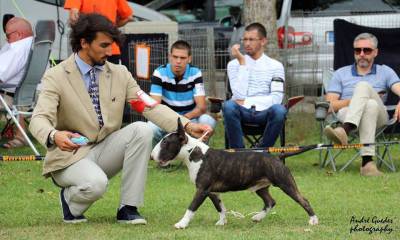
<point x="52" y="136"/>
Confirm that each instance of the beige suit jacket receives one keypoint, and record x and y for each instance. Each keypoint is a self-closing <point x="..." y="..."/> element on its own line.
<point x="64" y="104"/>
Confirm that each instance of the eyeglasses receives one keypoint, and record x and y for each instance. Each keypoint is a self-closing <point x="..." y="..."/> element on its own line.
<point x="251" y="40"/>
<point x="366" y="51"/>
<point x="8" y="35"/>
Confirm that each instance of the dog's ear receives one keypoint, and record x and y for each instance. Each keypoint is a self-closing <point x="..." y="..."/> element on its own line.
<point x="181" y="132"/>
<point x="195" y="154"/>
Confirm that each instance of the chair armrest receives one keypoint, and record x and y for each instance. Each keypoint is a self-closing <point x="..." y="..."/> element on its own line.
<point x="216" y="104"/>
<point x="293" y="101"/>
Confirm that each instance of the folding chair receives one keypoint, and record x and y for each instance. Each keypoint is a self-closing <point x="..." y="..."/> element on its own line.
<point x="389" y="49"/>
<point x="25" y="91"/>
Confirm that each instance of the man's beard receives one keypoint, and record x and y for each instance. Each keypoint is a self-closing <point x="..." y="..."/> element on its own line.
<point x="363" y="63"/>
<point x="100" y="63"/>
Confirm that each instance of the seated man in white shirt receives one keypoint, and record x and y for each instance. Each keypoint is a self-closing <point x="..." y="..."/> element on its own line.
<point x="13" y="58"/>
<point x="256" y="81"/>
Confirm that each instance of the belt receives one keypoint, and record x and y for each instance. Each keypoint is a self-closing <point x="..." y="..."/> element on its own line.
<point x="7" y="93"/>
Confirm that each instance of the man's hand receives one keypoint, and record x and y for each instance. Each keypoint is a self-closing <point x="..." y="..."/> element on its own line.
<point x="73" y="15"/>
<point x="63" y="140"/>
<point x="396" y="114"/>
<point x="197" y="130"/>
<point x="235" y="51"/>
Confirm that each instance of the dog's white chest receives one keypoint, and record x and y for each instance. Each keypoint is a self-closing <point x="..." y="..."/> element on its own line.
<point x="194" y="169"/>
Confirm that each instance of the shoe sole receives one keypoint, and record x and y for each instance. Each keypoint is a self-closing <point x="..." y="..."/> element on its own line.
<point x="75" y="221"/>
<point x="330" y="134"/>
<point x="134" y="222"/>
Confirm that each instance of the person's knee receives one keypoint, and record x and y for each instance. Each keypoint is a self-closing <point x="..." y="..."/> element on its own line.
<point x="372" y="105"/>
<point x="229" y="108"/>
<point x="208" y="120"/>
<point x="278" y="112"/>
<point x="95" y="187"/>
<point x="141" y="130"/>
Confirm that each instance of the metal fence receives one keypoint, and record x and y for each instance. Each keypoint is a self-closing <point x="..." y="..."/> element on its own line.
<point x="303" y="65"/>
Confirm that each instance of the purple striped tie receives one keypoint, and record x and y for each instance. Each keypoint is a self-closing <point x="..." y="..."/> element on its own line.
<point x="94" y="95"/>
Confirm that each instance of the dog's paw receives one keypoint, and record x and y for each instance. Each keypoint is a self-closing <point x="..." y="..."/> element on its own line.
<point x="313" y="220"/>
<point x="221" y="222"/>
<point x="181" y="225"/>
<point x="259" y="216"/>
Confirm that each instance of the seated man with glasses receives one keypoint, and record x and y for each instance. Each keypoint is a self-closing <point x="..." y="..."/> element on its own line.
<point x="355" y="92"/>
<point x="257" y="83"/>
<point x="13" y="58"/>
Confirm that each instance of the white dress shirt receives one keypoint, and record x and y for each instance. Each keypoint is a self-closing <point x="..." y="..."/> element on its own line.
<point x="13" y="58"/>
<point x="253" y="83"/>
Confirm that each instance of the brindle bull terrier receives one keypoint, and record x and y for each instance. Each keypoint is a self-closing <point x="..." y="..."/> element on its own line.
<point x="218" y="171"/>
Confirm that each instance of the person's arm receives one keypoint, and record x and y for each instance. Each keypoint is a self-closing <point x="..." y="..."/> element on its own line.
<point x="396" y="90"/>
<point x="335" y="102"/>
<point x="201" y="107"/>
<point x="334" y="91"/>
<point x="73" y="6"/>
<point x="124" y="13"/>
<point x="44" y="118"/>
<point x="122" y="22"/>
<point x="238" y="75"/>
<point x="73" y="15"/>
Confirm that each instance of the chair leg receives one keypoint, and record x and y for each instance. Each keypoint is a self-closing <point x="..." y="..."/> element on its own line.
<point x="16" y="122"/>
<point x="282" y="136"/>
<point x="350" y="161"/>
<point x="381" y="159"/>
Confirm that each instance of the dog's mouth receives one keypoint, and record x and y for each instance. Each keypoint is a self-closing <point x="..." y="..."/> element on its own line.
<point x="163" y="163"/>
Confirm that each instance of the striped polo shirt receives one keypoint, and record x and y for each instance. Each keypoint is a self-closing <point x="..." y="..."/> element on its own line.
<point x="177" y="94"/>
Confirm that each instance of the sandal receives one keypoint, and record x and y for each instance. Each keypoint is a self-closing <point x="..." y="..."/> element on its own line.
<point x="15" y="143"/>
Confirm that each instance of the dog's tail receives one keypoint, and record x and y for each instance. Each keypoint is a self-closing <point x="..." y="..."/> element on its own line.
<point x="299" y="150"/>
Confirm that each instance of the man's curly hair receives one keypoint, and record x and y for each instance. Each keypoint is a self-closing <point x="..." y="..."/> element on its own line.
<point x="88" y="25"/>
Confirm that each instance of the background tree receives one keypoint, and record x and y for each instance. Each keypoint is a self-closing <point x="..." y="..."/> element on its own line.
<point x="264" y="12"/>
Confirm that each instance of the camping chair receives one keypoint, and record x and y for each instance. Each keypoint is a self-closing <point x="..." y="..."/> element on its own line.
<point x="25" y="91"/>
<point x="253" y="132"/>
<point x="389" y="49"/>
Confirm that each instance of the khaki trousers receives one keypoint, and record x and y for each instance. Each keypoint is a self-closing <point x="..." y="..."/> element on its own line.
<point x="86" y="180"/>
<point x="367" y="112"/>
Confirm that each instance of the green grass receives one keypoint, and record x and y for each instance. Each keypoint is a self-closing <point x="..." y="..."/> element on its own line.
<point x="29" y="204"/>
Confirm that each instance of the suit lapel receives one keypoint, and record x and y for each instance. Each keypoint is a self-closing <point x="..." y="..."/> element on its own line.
<point x="76" y="81"/>
<point x="105" y="91"/>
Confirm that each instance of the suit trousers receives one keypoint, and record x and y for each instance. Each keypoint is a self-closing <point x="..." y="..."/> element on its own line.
<point x="127" y="149"/>
<point x="367" y="112"/>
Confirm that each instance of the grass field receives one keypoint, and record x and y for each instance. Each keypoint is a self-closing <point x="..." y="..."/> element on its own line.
<point x="29" y="204"/>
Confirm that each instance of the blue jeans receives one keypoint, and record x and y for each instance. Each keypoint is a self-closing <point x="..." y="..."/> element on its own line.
<point x="234" y="114"/>
<point x="158" y="133"/>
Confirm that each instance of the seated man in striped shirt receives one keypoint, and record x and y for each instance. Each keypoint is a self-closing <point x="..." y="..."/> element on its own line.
<point x="257" y="87"/>
<point x="179" y="85"/>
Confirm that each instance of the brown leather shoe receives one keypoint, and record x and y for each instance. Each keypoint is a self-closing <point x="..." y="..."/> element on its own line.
<point x="370" y="170"/>
<point x="337" y="135"/>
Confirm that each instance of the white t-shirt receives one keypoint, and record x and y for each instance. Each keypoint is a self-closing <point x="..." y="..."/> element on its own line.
<point x="13" y="58"/>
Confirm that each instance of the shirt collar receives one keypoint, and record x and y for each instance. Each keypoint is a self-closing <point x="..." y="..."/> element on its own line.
<point x="252" y="60"/>
<point x="355" y="73"/>
<point x="84" y="68"/>
<point x="172" y="75"/>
